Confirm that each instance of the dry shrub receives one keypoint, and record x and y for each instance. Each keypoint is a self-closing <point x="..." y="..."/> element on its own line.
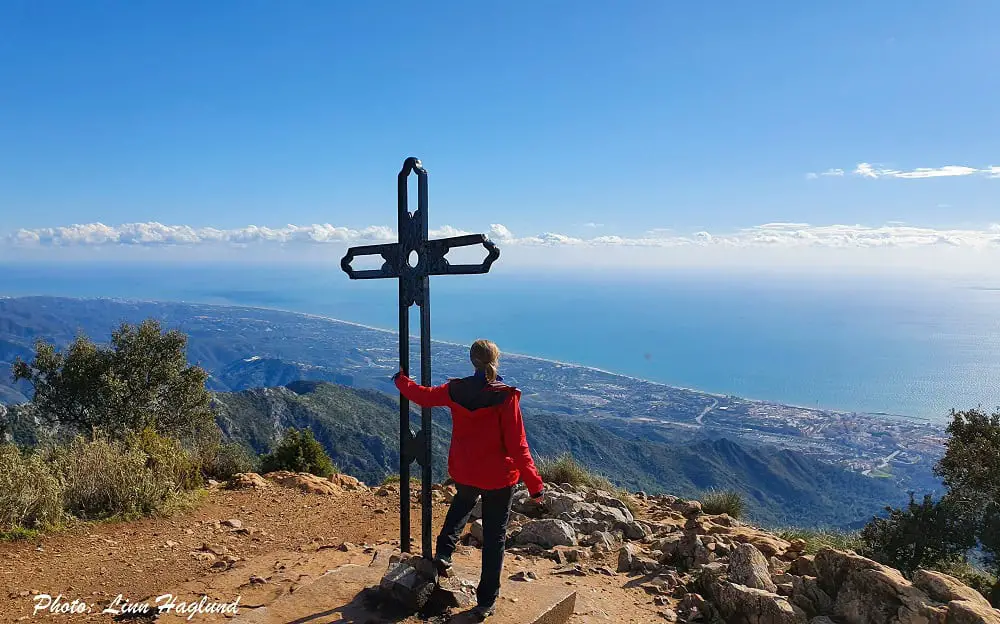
<point x="30" y="496"/>
<point x="104" y="478"/>
<point x="565" y="469"/>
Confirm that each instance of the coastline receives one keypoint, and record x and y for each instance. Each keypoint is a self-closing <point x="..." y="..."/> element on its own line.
<point x="706" y="393"/>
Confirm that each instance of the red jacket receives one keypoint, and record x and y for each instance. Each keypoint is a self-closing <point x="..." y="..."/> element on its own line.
<point x="489" y="449"/>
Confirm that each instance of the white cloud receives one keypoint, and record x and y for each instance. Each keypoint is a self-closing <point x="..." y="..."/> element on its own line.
<point x="797" y="235"/>
<point x="444" y="232"/>
<point x="830" y="173"/>
<point x="593" y="225"/>
<point x="151" y="234"/>
<point x="499" y="232"/>
<point x="868" y="170"/>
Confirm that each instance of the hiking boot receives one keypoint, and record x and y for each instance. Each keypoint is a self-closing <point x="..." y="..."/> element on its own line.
<point x="443" y="567"/>
<point x="480" y="613"/>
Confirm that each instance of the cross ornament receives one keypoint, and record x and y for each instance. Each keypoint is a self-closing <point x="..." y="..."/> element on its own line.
<point x="414" y="288"/>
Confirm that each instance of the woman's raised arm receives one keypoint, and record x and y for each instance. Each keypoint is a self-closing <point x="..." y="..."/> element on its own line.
<point x="423" y="396"/>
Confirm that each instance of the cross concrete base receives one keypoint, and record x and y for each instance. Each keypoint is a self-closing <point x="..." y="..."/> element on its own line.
<point x="339" y="597"/>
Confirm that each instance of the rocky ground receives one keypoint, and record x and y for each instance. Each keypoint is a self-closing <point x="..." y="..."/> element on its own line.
<point x="668" y="561"/>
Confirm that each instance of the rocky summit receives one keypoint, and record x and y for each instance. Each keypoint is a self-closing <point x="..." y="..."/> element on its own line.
<point x="296" y="547"/>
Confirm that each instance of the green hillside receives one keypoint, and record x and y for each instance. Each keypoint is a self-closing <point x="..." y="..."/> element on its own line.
<point x="359" y="430"/>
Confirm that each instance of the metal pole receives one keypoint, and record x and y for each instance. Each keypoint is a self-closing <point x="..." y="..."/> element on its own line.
<point x="404" y="363"/>
<point x="425" y="370"/>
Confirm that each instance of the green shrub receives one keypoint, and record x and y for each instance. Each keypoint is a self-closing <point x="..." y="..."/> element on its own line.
<point x="18" y="534"/>
<point x="565" y="469"/>
<point x="395" y="478"/>
<point x="140" y="379"/>
<point x="818" y="539"/>
<point x="30" y="496"/>
<point x="230" y="459"/>
<point x="299" y="451"/>
<point x="104" y="479"/>
<point x="728" y="502"/>
<point x="924" y="534"/>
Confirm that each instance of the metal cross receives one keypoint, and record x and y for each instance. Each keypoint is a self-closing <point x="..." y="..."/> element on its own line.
<point x="414" y="287"/>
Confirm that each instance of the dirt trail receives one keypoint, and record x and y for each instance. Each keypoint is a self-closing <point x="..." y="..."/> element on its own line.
<point x="285" y="540"/>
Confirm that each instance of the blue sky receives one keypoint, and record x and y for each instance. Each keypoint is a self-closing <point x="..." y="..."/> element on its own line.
<point x="641" y="124"/>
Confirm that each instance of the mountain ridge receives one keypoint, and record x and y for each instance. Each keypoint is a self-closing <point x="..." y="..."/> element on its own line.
<point x="359" y="429"/>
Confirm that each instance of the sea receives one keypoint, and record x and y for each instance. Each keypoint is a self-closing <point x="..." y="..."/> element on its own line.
<point x="909" y="347"/>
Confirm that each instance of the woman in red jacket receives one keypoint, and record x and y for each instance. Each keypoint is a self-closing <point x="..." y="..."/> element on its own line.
<point x="488" y="456"/>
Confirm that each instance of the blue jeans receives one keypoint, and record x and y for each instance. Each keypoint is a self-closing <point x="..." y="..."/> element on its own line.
<point x="496" y="513"/>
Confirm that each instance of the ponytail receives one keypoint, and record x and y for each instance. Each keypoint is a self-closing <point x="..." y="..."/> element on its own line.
<point x="485" y="356"/>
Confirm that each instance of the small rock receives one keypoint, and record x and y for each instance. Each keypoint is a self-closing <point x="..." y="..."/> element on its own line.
<point x="214" y="549"/>
<point x="171" y="544"/>
<point x="346" y="547"/>
<point x="476" y="529"/>
<point x="256" y="580"/>
<point x="669" y="615"/>
<point x="203" y="556"/>
<point x="574" y="570"/>
<point x="797" y="545"/>
<point x="633" y="530"/>
<point x="233" y="523"/>
<point x="574" y="555"/>
<point x="658" y="586"/>
<point x="525" y="576"/>
<point x="626" y="557"/>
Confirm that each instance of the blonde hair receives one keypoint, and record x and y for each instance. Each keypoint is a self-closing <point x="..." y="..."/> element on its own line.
<point x="485" y="356"/>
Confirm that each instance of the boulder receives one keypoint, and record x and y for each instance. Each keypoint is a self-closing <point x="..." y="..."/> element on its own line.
<point x="304" y="481"/>
<point x="605" y="499"/>
<point x="346" y="482"/>
<point x="944" y="588"/>
<point x="669" y="546"/>
<point x="807" y="595"/>
<point x="547" y="533"/>
<point x="971" y="612"/>
<point x="692" y="552"/>
<point x="247" y="480"/>
<point x="409" y="582"/>
<point x="767" y="544"/>
<point x="559" y="503"/>
<point x="804" y="566"/>
<point x="589" y="525"/>
<point x="452" y="593"/>
<point x="606" y="541"/>
<point x="687" y="508"/>
<point x="747" y="566"/>
<point x="866" y="592"/>
<point x="739" y="604"/>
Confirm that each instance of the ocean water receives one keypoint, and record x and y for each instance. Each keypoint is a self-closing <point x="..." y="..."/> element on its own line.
<point x="913" y="348"/>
